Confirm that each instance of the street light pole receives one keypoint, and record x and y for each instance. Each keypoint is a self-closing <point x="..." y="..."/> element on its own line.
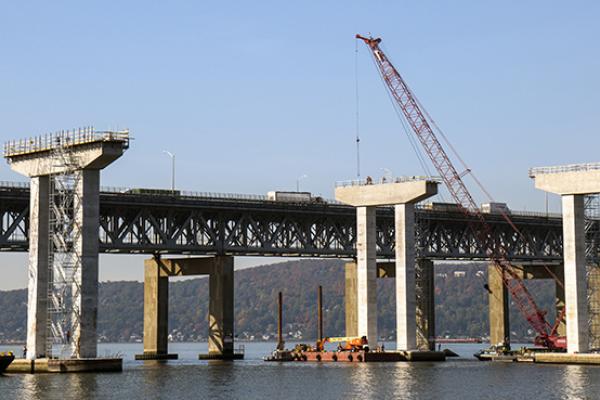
<point x="172" y="170"/>
<point x="298" y="181"/>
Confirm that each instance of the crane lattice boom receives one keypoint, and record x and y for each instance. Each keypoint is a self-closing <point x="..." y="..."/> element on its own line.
<point x="422" y="128"/>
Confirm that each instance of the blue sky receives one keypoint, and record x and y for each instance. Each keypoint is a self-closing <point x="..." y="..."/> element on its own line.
<point x="251" y="95"/>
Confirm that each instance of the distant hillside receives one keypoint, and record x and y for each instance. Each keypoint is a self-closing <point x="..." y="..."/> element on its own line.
<point x="461" y="303"/>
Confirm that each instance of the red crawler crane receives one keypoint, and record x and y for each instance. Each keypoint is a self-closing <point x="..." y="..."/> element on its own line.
<point x="420" y="123"/>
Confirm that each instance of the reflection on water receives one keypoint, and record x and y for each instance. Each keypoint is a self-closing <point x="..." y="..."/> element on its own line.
<point x="189" y="378"/>
<point x="575" y="382"/>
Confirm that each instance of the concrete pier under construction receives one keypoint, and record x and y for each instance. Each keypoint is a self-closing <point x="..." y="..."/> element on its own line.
<point x="365" y="196"/>
<point x="64" y="223"/>
<point x="573" y="183"/>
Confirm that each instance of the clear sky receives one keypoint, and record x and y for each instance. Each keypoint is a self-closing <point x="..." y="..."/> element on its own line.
<point x="252" y="95"/>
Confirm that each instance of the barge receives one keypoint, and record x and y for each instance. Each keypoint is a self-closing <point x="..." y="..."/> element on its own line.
<point x="5" y="360"/>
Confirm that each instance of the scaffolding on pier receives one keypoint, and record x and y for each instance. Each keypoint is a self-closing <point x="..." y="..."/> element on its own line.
<point x="592" y="256"/>
<point x="64" y="259"/>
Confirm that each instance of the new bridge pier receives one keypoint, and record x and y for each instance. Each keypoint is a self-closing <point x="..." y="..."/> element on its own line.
<point x="425" y="301"/>
<point x="157" y="271"/>
<point x="64" y="240"/>
<point x="366" y="197"/>
<point x="499" y="298"/>
<point x="573" y="183"/>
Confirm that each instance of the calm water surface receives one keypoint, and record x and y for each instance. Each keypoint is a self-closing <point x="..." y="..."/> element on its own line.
<point x="188" y="378"/>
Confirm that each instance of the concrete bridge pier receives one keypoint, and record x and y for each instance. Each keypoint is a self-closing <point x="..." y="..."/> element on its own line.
<point x="366" y="197"/>
<point x="499" y="298"/>
<point x="156" y="304"/>
<point x="425" y="302"/>
<point x="80" y="155"/>
<point x="572" y="183"/>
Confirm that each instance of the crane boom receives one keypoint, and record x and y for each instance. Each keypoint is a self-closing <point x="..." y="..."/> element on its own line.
<point x="422" y="128"/>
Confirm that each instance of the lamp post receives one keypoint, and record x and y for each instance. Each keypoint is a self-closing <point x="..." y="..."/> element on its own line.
<point x="298" y="181"/>
<point x="387" y="174"/>
<point x="172" y="170"/>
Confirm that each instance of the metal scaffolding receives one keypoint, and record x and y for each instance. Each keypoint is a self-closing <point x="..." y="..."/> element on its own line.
<point x="592" y="239"/>
<point x="64" y="260"/>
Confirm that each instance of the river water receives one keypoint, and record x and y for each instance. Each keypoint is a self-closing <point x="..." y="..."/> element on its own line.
<point x="461" y="378"/>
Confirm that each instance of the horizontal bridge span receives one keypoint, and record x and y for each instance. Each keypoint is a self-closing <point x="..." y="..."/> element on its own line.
<point x="134" y="223"/>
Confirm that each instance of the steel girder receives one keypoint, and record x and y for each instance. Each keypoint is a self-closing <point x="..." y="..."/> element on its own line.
<point x="162" y="224"/>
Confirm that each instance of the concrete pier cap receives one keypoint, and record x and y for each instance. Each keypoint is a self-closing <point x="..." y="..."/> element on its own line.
<point x="92" y="149"/>
<point x="568" y="179"/>
<point x="362" y="193"/>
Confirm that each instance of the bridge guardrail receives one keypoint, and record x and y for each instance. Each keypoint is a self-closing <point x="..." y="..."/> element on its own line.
<point x="63" y="138"/>
<point x="384" y="180"/>
<point x="563" y="168"/>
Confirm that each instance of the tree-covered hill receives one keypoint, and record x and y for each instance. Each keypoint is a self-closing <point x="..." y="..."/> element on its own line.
<point x="461" y="303"/>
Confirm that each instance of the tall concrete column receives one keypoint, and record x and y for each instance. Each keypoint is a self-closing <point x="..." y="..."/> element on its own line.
<point x="220" y="309"/>
<point x="575" y="273"/>
<point x="406" y="328"/>
<point x="425" y="305"/>
<point x="498" y="307"/>
<point x="350" y="291"/>
<point x="366" y="273"/>
<point x="37" y="313"/>
<point x="156" y="310"/>
<point x="86" y="245"/>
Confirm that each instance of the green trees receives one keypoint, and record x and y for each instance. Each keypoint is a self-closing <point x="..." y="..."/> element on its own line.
<point x="461" y="303"/>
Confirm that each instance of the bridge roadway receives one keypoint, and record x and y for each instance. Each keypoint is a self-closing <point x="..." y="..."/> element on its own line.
<point x="240" y="225"/>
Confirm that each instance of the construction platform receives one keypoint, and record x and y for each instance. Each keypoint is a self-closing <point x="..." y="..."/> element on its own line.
<point x="230" y="357"/>
<point x="156" y="356"/>
<point x="356" y="356"/>
<point x="538" y="356"/>
<point x="45" y="365"/>
<point x="565" y="358"/>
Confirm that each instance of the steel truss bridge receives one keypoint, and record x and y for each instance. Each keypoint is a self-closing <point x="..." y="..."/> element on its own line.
<point x="136" y="222"/>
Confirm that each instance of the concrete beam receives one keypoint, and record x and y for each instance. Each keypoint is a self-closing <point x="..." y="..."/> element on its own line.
<point x="186" y="266"/>
<point x="37" y="303"/>
<point x="97" y="155"/>
<point x="386" y="194"/>
<point x="569" y="183"/>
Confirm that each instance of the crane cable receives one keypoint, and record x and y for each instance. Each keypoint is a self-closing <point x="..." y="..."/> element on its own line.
<point x="417" y="150"/>
<point x="357" y="105"/>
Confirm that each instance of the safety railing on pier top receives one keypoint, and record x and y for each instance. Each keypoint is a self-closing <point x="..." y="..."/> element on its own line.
<point x="64" y="138"/>
<point x="564" y="168"/>
<point x="384" y="180"/>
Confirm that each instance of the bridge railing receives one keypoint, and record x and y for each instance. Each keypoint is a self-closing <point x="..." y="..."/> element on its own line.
<point x="63" y="138"/>
<point x="564" y="168"/>
<point x="384" y="180"/>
